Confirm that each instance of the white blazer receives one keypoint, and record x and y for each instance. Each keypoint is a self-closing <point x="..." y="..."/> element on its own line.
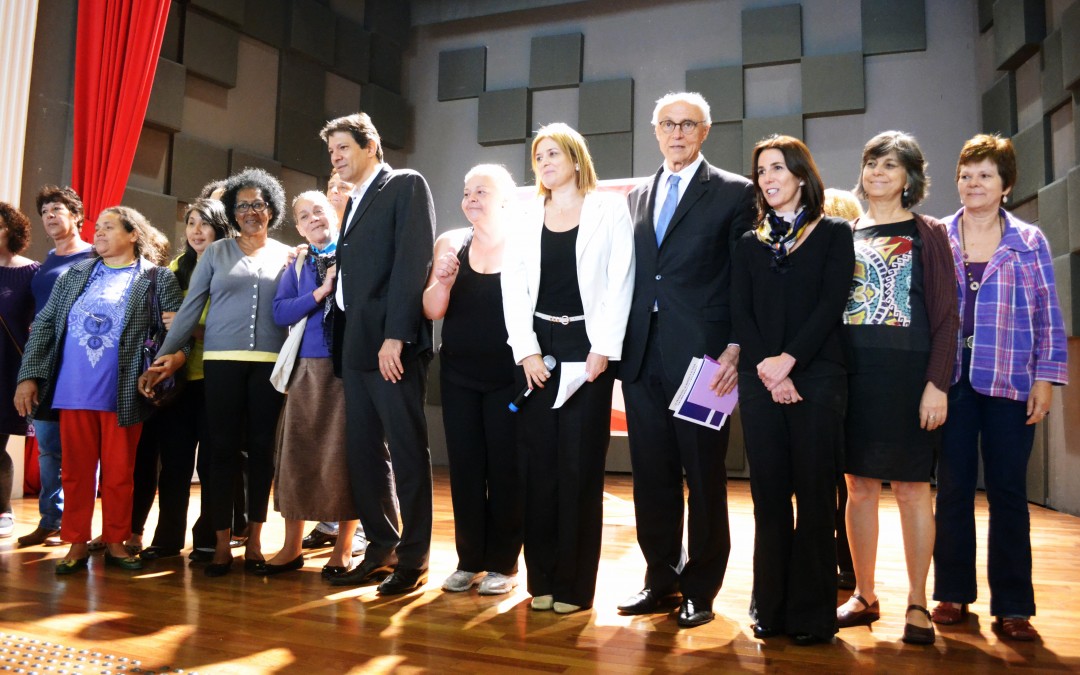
<point x="605" y="268"/>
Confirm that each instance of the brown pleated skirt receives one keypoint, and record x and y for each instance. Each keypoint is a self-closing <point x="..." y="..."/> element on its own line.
<point x="311" y="478"/>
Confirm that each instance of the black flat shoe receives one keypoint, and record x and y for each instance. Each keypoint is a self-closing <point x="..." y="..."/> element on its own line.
<point x="917" y="635"/>
<point x="270" y="569"/>
<point x="809" y="639"/>
<point x="648" y="601"/>
<point x="199" y="555"/>
<point x="364" y="574"/>
<point x="130" y="563"/>
<point x="255" y="566"/>
<point x="761" y="632"/>
<point x="331" y="571"/>
<point x="218" y="569"/>
<point x="694" y="612"/>
<point x="159" y="552"/>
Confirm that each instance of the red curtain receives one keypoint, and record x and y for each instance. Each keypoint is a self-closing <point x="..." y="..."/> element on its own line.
<point x="116" y="54"/>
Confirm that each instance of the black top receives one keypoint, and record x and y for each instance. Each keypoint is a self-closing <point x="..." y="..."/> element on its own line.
<point x="559" y="293"/>
<point x="474" y="351"/>
<point x="797" y="311"/>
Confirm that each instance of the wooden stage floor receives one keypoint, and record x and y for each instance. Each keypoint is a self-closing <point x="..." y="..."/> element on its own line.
<point x="170" y="617"/>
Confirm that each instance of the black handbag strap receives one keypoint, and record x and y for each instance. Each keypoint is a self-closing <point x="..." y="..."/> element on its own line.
<point x="153" y="307"/>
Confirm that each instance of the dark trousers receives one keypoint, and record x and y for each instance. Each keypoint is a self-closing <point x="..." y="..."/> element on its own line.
<point x="564" y="451"/>
<point x="792" y="451"/>
<point x="1006" y="446"/>
<point x="146" y="473"/>
<point x="485" y="480"/>
<point x="387" y="452"/>
<point x="661" y="449"/>
<point x="242" y="409"/>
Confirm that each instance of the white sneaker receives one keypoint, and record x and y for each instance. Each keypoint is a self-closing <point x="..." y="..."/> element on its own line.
<point x="497" y="584"/>
<point x="359" y="543"/>
<point x="565" y="608"/>
<point x="461" y="580"/>
<point x="542" y="602"/>
<point x="7" y="524"/>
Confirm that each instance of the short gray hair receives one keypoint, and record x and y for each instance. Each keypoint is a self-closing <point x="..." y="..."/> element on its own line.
<point x="691" y="97"/>
<point x="504" y="182"/>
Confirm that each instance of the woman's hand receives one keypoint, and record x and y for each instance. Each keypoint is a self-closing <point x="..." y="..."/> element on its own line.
<point x="933" y="408"/>
<point x="163" y="366"/>
<point x="292" y="255"/>
<point x="784" y="392"/>
<point x="774" y="369"/>
<point x="536" y="373"/>
<point x="327" y="288"/>
<point x="1038" y="403"/>
<point x="595" y="365"/>
<point x="26" y="397"/>
<point x="166" y="318"/>
<point x="446" y="268"/>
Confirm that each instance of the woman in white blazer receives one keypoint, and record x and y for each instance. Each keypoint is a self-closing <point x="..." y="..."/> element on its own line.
<point x="567" y="280"/>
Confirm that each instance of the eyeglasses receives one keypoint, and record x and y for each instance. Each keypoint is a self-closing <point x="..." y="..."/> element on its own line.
<point x="687" y="126"/>
<point x="257" y="207"/>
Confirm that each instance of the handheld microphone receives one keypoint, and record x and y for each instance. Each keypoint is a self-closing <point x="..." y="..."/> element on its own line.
<point x="519" y="400"/>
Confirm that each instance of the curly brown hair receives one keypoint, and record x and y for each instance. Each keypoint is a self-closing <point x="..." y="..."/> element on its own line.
<point x="18" y="228"/>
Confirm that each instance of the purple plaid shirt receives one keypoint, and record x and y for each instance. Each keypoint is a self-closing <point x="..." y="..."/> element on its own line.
<point x="1019" y="331"/>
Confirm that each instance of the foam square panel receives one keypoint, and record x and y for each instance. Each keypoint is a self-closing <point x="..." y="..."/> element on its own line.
<point x="165" y="109"/>
<point x="757" y="128"/>
<point x="311" y="30"/>
<point x="833" y="85"/>
<point x="352" y="51"/>
<point x="723" y="147"/>
<point x="266" y="20"/>
<point x="722" y="88"/>
<point x="999" y="106"/>
<point x="1019" y="29"/>
<point x="606" y="107"/>
<point x="613" y="154"/>
<point x="390" y="114"/>
<point x="1032" y="161"/>
<point x="210" y="49"/>
<point x="462" y="73"/>
<point x="504" y="116"/>
<point x="195" y="163"/>
<point x="893" y="26"/>
<point x="1054" y="215"/>
<point x="556" y="60"/>
<point x="772" y="35"/>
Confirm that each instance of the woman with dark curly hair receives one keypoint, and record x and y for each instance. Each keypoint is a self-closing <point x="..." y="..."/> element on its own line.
<point x="81" y="360"/>
<point x="241" y="341"/>
<point x="16" y="314"/>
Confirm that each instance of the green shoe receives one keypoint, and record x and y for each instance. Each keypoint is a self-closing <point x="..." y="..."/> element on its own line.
<point x="128" y="563"/>
<point x="67" y="566"/>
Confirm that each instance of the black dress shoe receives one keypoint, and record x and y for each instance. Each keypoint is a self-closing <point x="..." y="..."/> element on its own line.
<point x="331" y="571"/>
<point x="158" y="552"/>
<point x="365" y="573"/>
<point x="218" y="569"/>
<point x="809" y="639"/>
<point x="845" y="581"/>
<point x="762" y="631"/>
<point x="695" y="612"/>
<point x="403" y="581"/>
<point x="270" y="569"/>
<point x="648" y="601"/>
<point x="199" y="555"/>
<point x="318" y="539"/>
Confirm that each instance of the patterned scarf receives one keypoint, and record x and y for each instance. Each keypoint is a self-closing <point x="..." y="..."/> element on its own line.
<point x="325" y="259"/>
<point x="779" y="234"/>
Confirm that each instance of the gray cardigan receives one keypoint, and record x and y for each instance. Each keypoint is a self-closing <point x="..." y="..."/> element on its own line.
<point x="241" y="293"/>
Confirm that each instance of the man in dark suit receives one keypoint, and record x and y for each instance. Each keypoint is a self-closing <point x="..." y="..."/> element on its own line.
<point x="686" y="220"/>
<point x="382" y="346"/>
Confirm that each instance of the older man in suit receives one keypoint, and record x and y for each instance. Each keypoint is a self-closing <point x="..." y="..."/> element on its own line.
<point x="382" y="346"/>
<point x="686" y="220"/>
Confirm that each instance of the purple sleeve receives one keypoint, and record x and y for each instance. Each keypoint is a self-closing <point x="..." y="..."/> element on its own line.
<point x="294" y="300"/>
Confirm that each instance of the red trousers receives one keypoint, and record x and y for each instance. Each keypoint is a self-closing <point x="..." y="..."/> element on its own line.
<point x="88" y="437"/>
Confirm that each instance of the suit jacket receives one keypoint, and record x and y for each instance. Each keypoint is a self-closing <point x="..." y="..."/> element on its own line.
<point x="689" y="274"/>
<point x="384" y="256"/>
<point x="605" y="268"/>
<point x="41" y="359"/>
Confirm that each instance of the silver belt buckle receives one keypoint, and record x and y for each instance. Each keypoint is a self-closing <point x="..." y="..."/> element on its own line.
<point x="564" y="319"/>
<point x="969" y="342"/>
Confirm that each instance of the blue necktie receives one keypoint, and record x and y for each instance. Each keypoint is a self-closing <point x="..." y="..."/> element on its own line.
<point x="668" y="209"/>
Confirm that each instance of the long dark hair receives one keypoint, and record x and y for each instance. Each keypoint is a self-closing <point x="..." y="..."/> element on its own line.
<point x="801" y="164"/>
<point x="213" y="213"/>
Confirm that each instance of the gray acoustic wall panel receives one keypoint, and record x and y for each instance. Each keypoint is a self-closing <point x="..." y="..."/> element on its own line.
<point x="1054" y="93"/>
<point x="1070" y="55"/>
<point x="165" y="109"/>
<point x="194" y="164"/>
<point x="390" y="114"/>
<point x="301" y="85"/>
<point x="210" y="49"/>
<point x="266" y="20"/>
<point x="241" y="159"/>
<point x="389" y="18"/>
<point x="833" y="85"/>
<point x="504" y="116"/>
<point x="386" y="63"/>
<point x="170" y="42"/>
<point x="556" y="60"/>
<point x="462" y="73"/>
<point x="613" y="154"/>
<point x="1019" y="29"/>
<point x="999" y="106"/>
<point x="352" y="51"/>
<point x="606" y="107"/>
<point x="1054" y="215"/>
<point x="1032" y="161"/>
<point x="229" y="10"/>
<point x="159" y="209"/>
<point x="297" y="145"/>
<point x="1067" y="281"/>
<point x="311" y="30"/>
<point x="1073" y="179"/>
<point x="893" y="26"/>
<point x="757" y="128"/>
<point x="772" y="35"/>
<point x="723" y="89"/>
<point x="985" y="15"/>
<point x="723" y="146"/>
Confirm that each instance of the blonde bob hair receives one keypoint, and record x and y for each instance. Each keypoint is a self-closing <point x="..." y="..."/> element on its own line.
<point x="573" y="145"/>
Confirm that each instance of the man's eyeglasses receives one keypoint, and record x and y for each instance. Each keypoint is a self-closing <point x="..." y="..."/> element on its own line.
<point x="257" y="207"/>
<point x="687" y="126"/>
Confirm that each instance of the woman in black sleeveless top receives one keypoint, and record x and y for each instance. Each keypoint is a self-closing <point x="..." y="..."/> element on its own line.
<point x="477" y="379"/>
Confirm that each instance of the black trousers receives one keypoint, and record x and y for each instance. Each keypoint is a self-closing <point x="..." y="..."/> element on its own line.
<point x="792" y="449"/>
<point x="387" y="451"/>
<point x="662" y="449"/>
<point x="564" y="451"/>
<point x="242" y="409"/>
<point x="485" y="480"/>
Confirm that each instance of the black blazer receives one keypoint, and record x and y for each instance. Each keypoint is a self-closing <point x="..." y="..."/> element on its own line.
<point x="689" y="273"/>
<point x="385" y="256"/>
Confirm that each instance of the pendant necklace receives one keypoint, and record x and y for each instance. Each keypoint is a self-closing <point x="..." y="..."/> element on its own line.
<point x="972" y="284"/>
